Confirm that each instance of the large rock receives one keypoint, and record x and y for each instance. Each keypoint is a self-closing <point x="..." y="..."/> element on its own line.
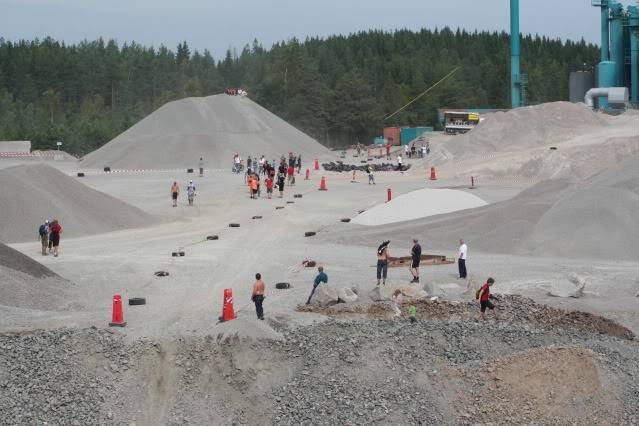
<point x="413" y="293"/>
<point x="346" y="295"/>
<point x="573" y="286"/>
<point x="325" y="296"/>
<point x="410" y="292"/>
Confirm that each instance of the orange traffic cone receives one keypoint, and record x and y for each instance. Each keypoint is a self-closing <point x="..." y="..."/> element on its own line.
<point x="228" y="313"/>
<point x="316" y="164"/>
<point x="117" y="318"/>
<point x="389" y="195"/>
<point x="433" y="176"/>
<point x="308" y="173"/>
<point x="322" y="184"/>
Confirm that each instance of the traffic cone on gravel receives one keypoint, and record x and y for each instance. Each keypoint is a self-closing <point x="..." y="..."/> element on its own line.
<point x="117" y="318"/>
<point x="228" y="313"/>
<point x="316" y="164"/>
<point x="322" y="184"/>
<point x="389" y="194"/>
<point x="433" y="176"/>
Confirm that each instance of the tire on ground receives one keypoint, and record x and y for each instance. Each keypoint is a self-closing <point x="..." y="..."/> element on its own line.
<point x="175" y="254"/>
<point x="234" y="225"/>
<point x="133" y="301"/>
<point x="309" y="233"/>
<point x="282" y="286"/>
<point x="345" y="219"/>
<point x="212" y="237"/>
<point x="257" y="217"/>
<point x="80" y="174"/>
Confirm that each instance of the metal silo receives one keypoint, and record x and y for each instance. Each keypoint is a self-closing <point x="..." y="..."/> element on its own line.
<point x="580" y="82"/>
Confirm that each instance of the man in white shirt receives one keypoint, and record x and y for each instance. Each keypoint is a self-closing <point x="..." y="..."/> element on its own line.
<point x="461" y="259"/>
<point x="399" y="162"/>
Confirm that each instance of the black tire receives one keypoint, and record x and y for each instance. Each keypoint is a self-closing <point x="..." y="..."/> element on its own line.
<point x="135" y="301"/>
<point x="161" y="274"/>
<point x="297" y="196"/>
<point x="234" y="225"/>
<point x="279" y="207"/>
<point x="553" y="148"/>
<point x="181" y="253"/>
<point x="309" y="234"/>
<point x="107" y="169"/>
<point x="282" y="286"/>
<point x="189" y="170"/>
<point x="212" y="237"/>
<point x="257" y="217"/>
<point x="80" y="174"/>
<point x="345" y="219"/>
<point x="175" y="254"/>
<point x="290" y="202"/>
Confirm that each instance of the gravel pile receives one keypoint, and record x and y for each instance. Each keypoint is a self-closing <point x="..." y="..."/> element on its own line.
<point x="339" y="166"/>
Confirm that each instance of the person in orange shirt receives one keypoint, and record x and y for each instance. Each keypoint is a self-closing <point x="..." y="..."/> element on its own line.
<point x="253" y="186"/>
<point x="258" y="296"/>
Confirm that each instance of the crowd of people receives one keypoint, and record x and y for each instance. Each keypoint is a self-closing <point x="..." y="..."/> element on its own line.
<point x="274" y="173"/>
<point x="414" y="151"/>
<point x="232" y="91"/>
<point x="49" y="234"/>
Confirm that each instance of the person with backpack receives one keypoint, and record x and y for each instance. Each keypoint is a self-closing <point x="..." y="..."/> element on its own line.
<point x="55" y="230"/>
<point x="382" y="262"/>
<point x="43" y="232"/>
<point x="484" y="297"/>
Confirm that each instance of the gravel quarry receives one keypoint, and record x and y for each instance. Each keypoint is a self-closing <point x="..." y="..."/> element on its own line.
<point x="554" y="356"/>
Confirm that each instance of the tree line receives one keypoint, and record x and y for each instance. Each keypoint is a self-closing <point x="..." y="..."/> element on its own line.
<point x="337" y="89"/>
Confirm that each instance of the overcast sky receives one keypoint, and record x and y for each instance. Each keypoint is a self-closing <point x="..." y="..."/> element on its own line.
<point x="217" y="25"/>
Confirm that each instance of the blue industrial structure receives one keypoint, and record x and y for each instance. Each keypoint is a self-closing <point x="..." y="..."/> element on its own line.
<point x="518" y="81"/>
<point x="619" y="66"/>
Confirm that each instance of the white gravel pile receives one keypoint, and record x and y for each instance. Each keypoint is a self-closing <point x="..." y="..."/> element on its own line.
<point x="418" y="204"/>
<point x="214" y="127"/>
<point x="31" y="194"/>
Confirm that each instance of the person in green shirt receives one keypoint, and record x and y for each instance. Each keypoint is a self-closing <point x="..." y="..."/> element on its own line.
<point x="412" y="313"/>
<point x="320" y="278"/>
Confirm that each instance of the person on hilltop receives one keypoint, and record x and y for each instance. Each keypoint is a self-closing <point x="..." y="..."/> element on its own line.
<point x="483" y="297"/>
<point x="320" y="278"/>
<point x="43" y="232"/>
<point x="382" y="262"/>
<point x="190" y="192"/>
<point x="175" y="191"/>
<point x="461" y="259"/>
<point x="257" y="296"/>
<point x="55" y="231"/>
<point x="416" y="257"/>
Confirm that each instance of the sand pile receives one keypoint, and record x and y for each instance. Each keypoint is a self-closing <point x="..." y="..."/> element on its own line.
<point x="214" y="127"/>
<point x="418" y="204"/>
<point x="592" y="219"/>
<point x="528" y="127"/>
<point x="28" y="284"/>
<point x="31" y="194"/>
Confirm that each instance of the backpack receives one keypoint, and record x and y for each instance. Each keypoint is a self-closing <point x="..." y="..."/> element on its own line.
<point x="42" y="230"/>
<point x="477" y="293"/>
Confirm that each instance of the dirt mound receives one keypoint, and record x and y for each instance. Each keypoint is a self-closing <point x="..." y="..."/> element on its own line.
<point x="215" y="127"/>
<point x="28" y="284"/>
<point x="592" y="219"/>
<point x="529" y="127"/>
<point x="31" y="194"/>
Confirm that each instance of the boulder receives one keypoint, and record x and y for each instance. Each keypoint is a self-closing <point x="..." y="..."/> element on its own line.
<point x="346" y="295"/>
<point x="573" y="286"/>
<point x="377" y="295"/>
<point x="413" y="293"/>
<point x="325" y="296"/>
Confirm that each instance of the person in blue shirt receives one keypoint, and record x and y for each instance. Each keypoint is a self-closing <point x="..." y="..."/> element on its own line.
<point x="320" y="278"/>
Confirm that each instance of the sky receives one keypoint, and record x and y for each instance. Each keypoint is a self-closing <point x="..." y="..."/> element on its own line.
<point x="218" y="25"/>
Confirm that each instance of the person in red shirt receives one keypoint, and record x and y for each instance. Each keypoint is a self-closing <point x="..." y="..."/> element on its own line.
<point x="55" y="230"/>
<point x="269" y="186"/>
<point x="484" y="297"/>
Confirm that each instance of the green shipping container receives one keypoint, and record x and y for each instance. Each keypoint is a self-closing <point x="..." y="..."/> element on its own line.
<point x="380" y="141"/>
<point x="408" y="134"/>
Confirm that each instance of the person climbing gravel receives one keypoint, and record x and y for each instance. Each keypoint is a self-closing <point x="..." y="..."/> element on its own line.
<point x="43" y="232"/>
<point x="320" y="278"/>
<point x="382" y="262"/>
<point x="397" y="300"/>
<point x="175" y="191"/>
<point x="258" y="296"/>
<point x="416" y="257"/>
<point x="190" y="192"/>
<point x="484" y="297"/>
<point x="55" y="230"/>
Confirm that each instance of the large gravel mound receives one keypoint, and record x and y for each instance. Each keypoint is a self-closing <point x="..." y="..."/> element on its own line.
<point x="31" y="194"/>
<point x="215" y="127"/>
<point x="28" y="284"/>
<point x="529" y="127"/>
<point x="593" y="219"/>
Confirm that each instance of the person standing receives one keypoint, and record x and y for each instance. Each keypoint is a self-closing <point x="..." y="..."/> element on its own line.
<point x="388" y="157"/>
<point x="416" y="256"/>
<point x="269" y="187"/>
<point x="320" y="278"/>
<point x="399" y="162"/>
<point x="461" y="259"/>
<point x="55" y="230"/>
<point x="382" y="262"/>
<point x="258" y="296"/>
<point x="299" y="164"/>
<point x="406" y="151"/>
<point x="200" y="165"/>
<point x="43" y="232"/>
<point x="484" y="297"/>
<point x="175" y="191"/>
<point x="397" y="300"/>
<point x="371" y="177"/>
<point x="190" y="192"/>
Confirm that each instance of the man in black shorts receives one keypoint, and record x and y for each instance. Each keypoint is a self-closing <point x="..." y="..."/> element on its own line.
<point x="484" y="296"/>
<point x="416" y="255"/>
